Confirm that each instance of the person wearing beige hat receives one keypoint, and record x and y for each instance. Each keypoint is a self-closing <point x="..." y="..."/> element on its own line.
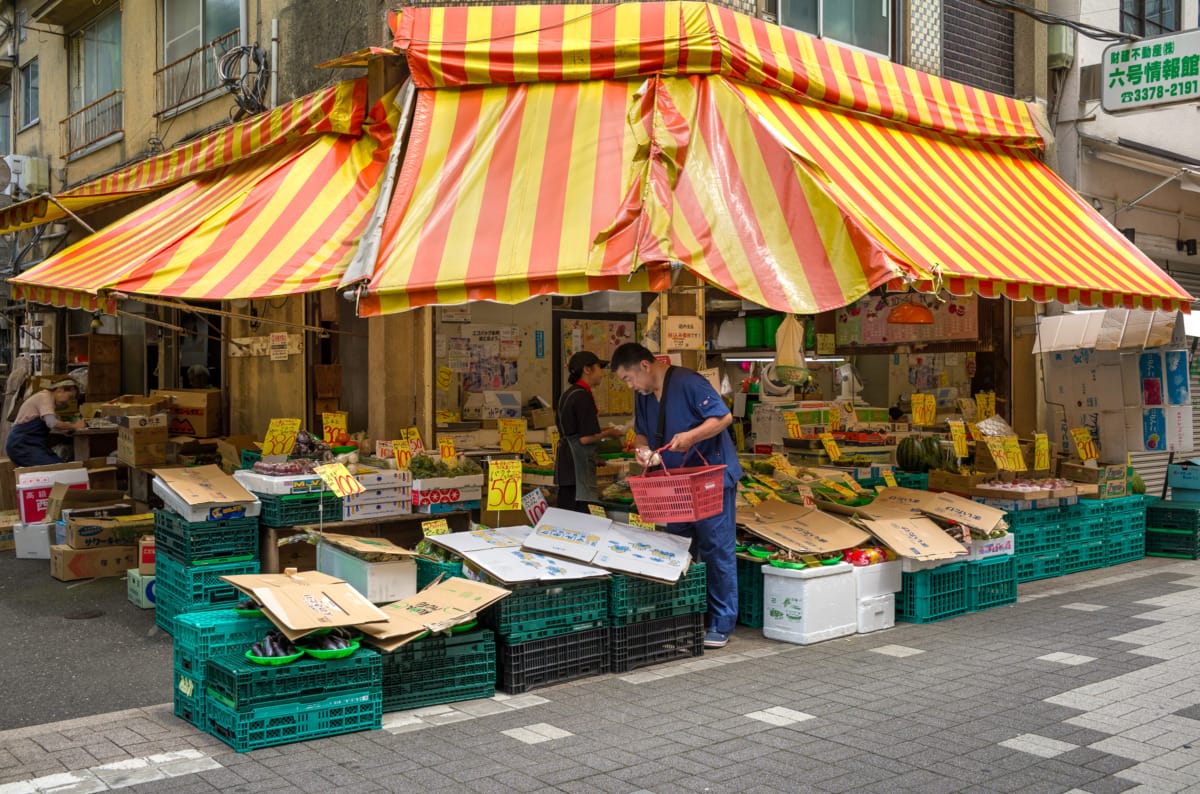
<point x="28" y="441"/>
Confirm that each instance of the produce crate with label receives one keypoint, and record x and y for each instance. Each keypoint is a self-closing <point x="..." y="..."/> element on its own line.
<point x="199" y="637"/>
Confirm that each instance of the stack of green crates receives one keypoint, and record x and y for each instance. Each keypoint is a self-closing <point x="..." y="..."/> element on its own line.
<point x="440" y="669"/>
<point x="653" y="622"/>
<point x="991" y="582"/>
<point x="1173" y="529"/>
<point x="428" y="570"/>
<point x="750" y="591"/>
<point x="1125" y="523"/>
<point x="932" y="595"/>
<point x="1037" y="542"/>
<point x="199" y="637"/>
<point x="1085" y="536"/>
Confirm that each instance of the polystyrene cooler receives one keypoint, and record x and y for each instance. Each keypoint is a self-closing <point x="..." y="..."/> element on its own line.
<point x="807" y="605"/>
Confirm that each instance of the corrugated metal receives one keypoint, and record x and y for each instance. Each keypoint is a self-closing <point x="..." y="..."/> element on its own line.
<point x="1153" y="465"/>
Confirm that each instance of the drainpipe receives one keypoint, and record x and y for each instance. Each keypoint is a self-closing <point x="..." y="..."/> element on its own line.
<point x="274" y="62"/>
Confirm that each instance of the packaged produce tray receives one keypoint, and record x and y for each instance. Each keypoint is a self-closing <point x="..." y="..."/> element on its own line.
<point x="633" y="600"/>
<point x="290" y="511"/>
<point x="201" y="542"/>
<point x="991" y="583"/>
<point x="932" y="595"/>
<point x="750" y="592"/>
<point x="655" y="641"/>
<point x="537" y="611"/>
<point x="428" y="570"/>
<point x="440" y="669"/>
<point x="265" y="726"/>
<point x="538" y="663"/>
<point x="200" y="636"/>
<point x="242" y="685"/>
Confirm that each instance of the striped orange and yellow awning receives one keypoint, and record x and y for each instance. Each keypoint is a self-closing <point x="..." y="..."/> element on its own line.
<point x="556" y="145"/>
<point x="284" y="221"/>
<point x="339" y="109"/>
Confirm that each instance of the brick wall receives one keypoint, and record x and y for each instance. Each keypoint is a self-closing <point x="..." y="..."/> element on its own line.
<point x="977" y="45"/>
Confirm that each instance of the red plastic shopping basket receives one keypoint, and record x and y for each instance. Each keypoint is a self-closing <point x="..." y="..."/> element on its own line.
<point x="688" y="493"/>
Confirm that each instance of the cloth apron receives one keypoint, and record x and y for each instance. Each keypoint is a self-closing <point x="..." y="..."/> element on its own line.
<point x="29" y="444"/>
<point x="585" y="470"/>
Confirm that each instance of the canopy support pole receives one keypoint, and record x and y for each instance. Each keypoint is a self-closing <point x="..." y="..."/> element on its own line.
<point x="72" y="215"/>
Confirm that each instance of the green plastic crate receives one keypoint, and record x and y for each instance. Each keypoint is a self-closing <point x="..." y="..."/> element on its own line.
<point x="1086" y="511"/>
<point x="1120" y="523"/>
<point x="750" y="593"/>
<point x="168" y="607"/>
<point x="918" y="482"/>
<point x="1037" y="539"/>
<point x="1084" y="555"/>
<point x="439" y="669"/>
<point x="243" y="685"/>
<point x="428" y="570"/>
<point x="294" y="509"/>
<point x="188" y="697"/>
<point x="1181" y="543"/>
<point x="632" y="600"/>
<point x="1124" y="504"/>
<point x="199" y="585"/>
<point x="991" y="582"/>
<point x="200" y="636"/>
<point x="205" y="542"/>
<point x="1034" y="519"/>
<point x="1077" y="530"/>
<point x="1044" y="565"/>
<point x="1173" y="515"/>
<point x="539" y="611"/>
<point x="284" y="723"/>
<point x="932" y="595"/>
<point x="1126" y="547"/>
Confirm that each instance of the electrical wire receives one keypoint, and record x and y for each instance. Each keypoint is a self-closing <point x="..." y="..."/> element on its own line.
<point x="1091" y="31"/>
<point x="248" y="84"/>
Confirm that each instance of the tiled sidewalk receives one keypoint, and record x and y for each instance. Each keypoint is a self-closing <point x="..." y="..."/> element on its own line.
<point x="1086" y="685"/>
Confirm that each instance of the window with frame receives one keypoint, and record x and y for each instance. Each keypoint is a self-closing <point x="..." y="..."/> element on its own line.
<point x="94" y="60"/>
<point x="5" y="120"/>
<point x="1150" y="17"/>
<point x="29" y="93"/>
<point x="863" y="24"/>
<point x="196" y="33"/>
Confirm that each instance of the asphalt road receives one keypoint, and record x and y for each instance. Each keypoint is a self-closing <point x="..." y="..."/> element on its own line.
<point x="56" y="664"/>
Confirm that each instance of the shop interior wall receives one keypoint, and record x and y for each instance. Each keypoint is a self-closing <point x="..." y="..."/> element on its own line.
<point x="261" y="389"/>
<point x="399" y="379"/>
<point x="353" y="356"/>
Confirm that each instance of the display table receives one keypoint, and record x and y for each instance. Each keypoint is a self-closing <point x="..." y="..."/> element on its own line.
<point x="403" y="530"/>
<point x="94" y="442"/>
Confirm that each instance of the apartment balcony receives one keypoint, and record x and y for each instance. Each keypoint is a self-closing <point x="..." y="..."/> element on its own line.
<point x="193" y="78"/>
<point x="93" y="125"/>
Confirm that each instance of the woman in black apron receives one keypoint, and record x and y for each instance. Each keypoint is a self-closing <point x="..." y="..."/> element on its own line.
<point x="579" y="432"/>
<point x="28" y="441"/>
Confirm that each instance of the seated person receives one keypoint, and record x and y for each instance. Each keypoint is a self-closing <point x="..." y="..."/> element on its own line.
<point x="29" y="439"/>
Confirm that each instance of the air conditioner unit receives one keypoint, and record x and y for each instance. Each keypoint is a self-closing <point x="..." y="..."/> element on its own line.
<point x="30" y="175"/>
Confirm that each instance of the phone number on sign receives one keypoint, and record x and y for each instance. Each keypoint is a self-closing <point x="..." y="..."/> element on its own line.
<point x="1182" y="89"/>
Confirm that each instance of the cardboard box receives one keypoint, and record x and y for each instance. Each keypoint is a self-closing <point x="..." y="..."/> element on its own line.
<point x="8" y="519"/>
<point x="139" y="588"/>
<point x="205" y="493"/>
<point x="144" y="445"/>
<point x="982" y="548"/>
<point x="1079" y="472"/>
<point x="956" y="483"/>
<point x="541" y="418"/>
<point x="68" y="564"/>
<point x="279" y="485"/>
<point x="498" y="553"/>
<point x="915" y="538"/>
<point x="501" y="405"/>
<point x="301" y="603"/>
<point x="88" y="533"/>
<point x="949" y="507"/>
<point x="443" y="490"/>
<point x="8" y="485"/>
<point x="800" y="529"/>
<point x="616" y="547"/>
<point x="194" y="412"/>
<point x="230" y="449"/>
<point x="35" y="483"/>
<point x="146" y="553"/>
<point x="377" y="568"/>
<point x="33" y="541"/>
<point x="354" y="512"/>
<point x="66" y="500"/>
<point x="133" y="405"/>
<point x="437" y="608"/>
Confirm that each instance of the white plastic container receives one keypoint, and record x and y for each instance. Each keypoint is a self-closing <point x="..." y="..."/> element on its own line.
<point x="32" y="541"/>
<point x="875" y="580"/>
<point x="876" y="612"/>
<point x="381" y="582"/>
<point x="808" y="605"/>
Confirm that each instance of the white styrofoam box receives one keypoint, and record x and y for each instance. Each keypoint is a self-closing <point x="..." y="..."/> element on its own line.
<point x="376" y="510"/>
<point x="175" y="503"/>
<point x="279" y="486"/>
<point x="33" y="490"/>
<point x="139" y="589"/>
<point x="980" y="549"/>
<point x="385" y="478"/>
<point x="32" y="541"/>
<point x="808" y="605"/>
<point x="380" y="582"/>
<point x="876" y="580"/>
<point x="876" y="612"/>
<point x="379" y="495"/>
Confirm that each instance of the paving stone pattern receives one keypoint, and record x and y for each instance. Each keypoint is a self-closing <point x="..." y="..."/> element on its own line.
<point x="1087" y="684"/>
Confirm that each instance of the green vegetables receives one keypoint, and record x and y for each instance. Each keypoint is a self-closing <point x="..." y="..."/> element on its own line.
<point x="424" y="467"/>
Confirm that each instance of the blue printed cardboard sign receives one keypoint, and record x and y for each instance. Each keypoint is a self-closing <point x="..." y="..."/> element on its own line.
<point x="1154" y="429"/>
<point x="1178" y="392"/>
<point x="1150" y="369"/>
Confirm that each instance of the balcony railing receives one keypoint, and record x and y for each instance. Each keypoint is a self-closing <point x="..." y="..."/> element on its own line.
<point x="193" y="75"/>
<point x="93" y="123"/>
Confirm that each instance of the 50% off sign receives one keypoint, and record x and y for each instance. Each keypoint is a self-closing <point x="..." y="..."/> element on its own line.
<point x="504" y="485"/>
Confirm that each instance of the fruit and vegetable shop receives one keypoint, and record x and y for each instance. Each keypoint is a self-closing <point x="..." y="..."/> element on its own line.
<point x="342" y="479"/>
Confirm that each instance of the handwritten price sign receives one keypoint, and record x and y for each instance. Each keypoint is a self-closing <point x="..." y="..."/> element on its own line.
<point x="924" y="409"/>
<point x="958" y="434"/>
<point x="793" y="424"/>
<point x="446" y="417"/>
<point x="831" y="447"/>
<point x="985" y="405"/>
<point x="1041" y="452"/>
<point x="437" y="526"/>
<point x="445" y="376"/>
<point x="413" y="436"/>
<point x="403" y="453"/>
<point x="889" y="479"/>
<point x="281" y="437"/>
<point x="332" y="426"/>
<point x="504" y="485"/>
<point x="512" y="435"/>
<point x="637" y="521"/>
<point x="535" y="505"/>
<point x="538" y="455"/>
<point x="339" y="479"/>
<point x="552" y="438"/>
<point x="1085" y="445"/>
<point x="835" y="419"/>
<point x="597" y="511"/>
<point x="1012" y="451"/>
<point x="999" y="453"/>
<point x="446" y="448"/>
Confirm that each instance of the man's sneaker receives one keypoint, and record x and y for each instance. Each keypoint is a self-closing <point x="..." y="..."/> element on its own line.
<point x="715" y="639"/>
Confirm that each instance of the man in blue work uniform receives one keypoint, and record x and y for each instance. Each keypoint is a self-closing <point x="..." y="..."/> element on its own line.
<point x="680" y="410"/>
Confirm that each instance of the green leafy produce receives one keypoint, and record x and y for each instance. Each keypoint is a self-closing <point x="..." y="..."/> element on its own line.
<point x="1136" y="484"/>
<point x="763" y="467"/>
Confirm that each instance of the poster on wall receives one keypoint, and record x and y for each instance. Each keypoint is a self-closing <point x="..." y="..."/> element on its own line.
<point x="602" y="337"/>
<point x="865" y="321"/>
<point x="486" y="357"/>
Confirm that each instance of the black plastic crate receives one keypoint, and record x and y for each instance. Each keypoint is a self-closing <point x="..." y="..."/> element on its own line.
<point x="655" y="641"/>
<point x="553" y="660"/>
<point x="438" y="669"/>
<point x="1181" y="543"/>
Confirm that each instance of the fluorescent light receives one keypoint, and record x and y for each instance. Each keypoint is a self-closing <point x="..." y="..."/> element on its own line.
<point x="829" y="360"/>
<point x="739" y="359"/>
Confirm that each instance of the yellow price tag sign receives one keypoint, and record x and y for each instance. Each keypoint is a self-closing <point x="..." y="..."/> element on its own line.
<point x="512" y="435"/>
<point x="924" y="410"/>
<point x="403" y="453"/>
<point x="597" y="511"/>
<point x="837" y="487"/>
<point x="552" y="439"/>
<point x="793" y="424"/>
<point x="413" y="436"/>
<point x="958" y="434"/>
<point x="339" y="479"/>
<point x="1041" y="452"/>
<point x="999" y="452"/>
<point x="333" y="425"/>
<point x="637" y="521"/>
<point x="856" y="486"/>
<point x="538" y="455"/>
<point x="504" y="485"/>
<point x="446" y="417"/>
<point x="446" y="448"/>
<point x="281" y="437"/>
<point x="835" y="419"/>
<point x="1012" y="451"/>
<point x="889" y="479"/>
<point x="973" y="429"/>
<point x="831" y="447"/>
<point x="437" y="526"/>
<point x="985" y="405"/>
<point x="781" y="463"/>
<point x="630" y="437"/>
<point x="1085" y="445"/>
<point x="445" y="376"/>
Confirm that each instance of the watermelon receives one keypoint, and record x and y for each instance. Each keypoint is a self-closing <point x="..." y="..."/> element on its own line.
<point x="909" y="455"/>
<point x="932" y="452"/>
